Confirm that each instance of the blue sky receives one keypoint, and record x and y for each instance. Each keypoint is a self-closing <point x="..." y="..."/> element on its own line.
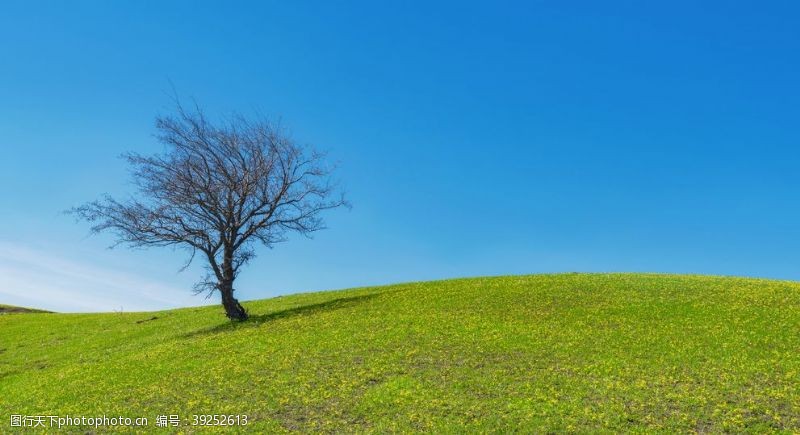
<point x="473" y="138"/>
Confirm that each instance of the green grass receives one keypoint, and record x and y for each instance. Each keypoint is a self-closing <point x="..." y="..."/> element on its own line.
<point x="546" y="353"/>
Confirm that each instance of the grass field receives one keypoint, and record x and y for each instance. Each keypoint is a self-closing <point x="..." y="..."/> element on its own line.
<point x="570" y="352"/>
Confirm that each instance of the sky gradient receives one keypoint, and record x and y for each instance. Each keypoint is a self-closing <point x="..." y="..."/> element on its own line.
<point x="473" y="138"/>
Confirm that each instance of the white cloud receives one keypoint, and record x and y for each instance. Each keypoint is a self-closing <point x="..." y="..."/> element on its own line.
<point x="37" y="279"/>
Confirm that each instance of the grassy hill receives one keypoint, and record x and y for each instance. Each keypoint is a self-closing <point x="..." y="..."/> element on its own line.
<point x="570" y="352"/>
<point x="11" y="309"/>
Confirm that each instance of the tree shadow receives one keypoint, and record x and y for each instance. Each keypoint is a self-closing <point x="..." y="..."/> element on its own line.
<point x="256" y="320"/>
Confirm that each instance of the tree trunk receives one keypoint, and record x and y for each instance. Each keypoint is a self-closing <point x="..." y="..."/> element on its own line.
<point x="233" y="309"/>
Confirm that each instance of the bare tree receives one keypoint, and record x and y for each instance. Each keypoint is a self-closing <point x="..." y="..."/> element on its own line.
<point x="219" y="189"/>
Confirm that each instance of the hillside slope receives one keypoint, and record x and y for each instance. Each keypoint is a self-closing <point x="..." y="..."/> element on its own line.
<point x="563" y="352"/>
<point x="11" y="309"/>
